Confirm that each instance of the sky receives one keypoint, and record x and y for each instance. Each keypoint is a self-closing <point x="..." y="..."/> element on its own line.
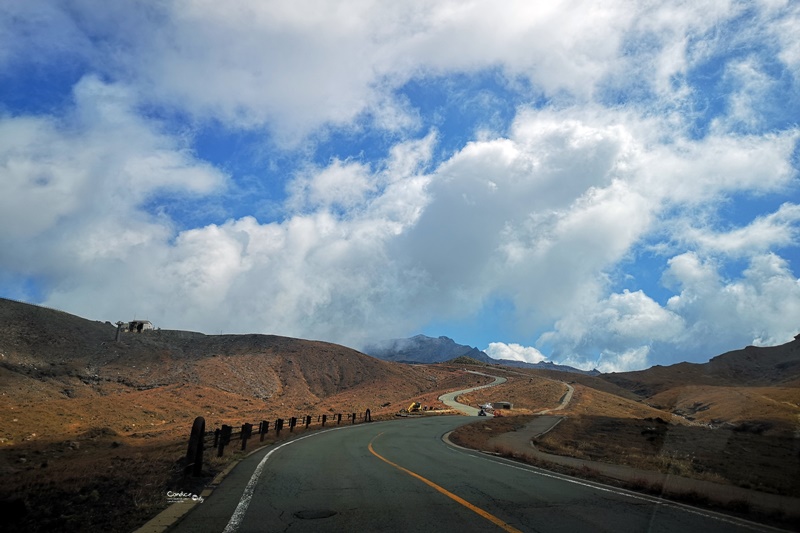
<point x="605" y="184"/>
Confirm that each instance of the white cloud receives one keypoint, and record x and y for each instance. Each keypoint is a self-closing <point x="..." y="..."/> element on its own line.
<point x="21" y="34"/>
<point x="765" y="233"/>
<point x="541" y="213"/>
<point x="74" y="185"/>
<point x="317" y="274"/>
<point x="540" y="217"/>
<point x="297" y="67"/>
<point x="785" y="29"/>
<point x="633" y="359"/>
<point x="709" y="316"/>
<point x="751" y="85"/>
<point x="619" y="328"/>
<point x="514" y="352"/>
<point x="682" y="171"/>
<point x="340" y="185"/>
<point x="760" y="307"/>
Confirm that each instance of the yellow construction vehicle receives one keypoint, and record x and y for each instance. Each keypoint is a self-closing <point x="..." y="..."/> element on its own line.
<point x="415" y="407"/>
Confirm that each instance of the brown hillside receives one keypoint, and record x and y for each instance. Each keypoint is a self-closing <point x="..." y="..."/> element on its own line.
<point x="769" y="407"/>
<point x="749" y="367"/>
<point x="62" y="374"/>
<point x="82" y="415"/>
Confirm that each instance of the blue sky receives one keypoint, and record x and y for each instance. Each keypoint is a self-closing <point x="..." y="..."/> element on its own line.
<point x="601" y="184"/>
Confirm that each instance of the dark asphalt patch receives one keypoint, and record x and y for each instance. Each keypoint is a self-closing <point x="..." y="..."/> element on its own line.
<point x="314" y="514"/>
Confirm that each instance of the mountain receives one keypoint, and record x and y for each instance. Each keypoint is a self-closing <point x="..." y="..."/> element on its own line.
<point x="546" y="365"/>
<point x="424" y="349"/>
<point x="753" y="366"/>
<point x="54" y="362"/>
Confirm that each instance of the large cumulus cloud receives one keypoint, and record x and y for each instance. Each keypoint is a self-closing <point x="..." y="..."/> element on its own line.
<point x="625" y="139"/>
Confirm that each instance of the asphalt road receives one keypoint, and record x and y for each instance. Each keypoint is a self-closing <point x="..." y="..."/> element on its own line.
<point x="449" y="399"/>
<point x="400" y="476"/>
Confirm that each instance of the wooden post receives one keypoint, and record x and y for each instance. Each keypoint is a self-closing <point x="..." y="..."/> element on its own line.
<point x="324" y="418"/>
<point x="368" y="416"/>
<point x="263" y="429"/>
<point x="247" y="431"/>
<point x="224" y="439"/>
<point x="194" y="454"/>
<point x="339" y="419"/>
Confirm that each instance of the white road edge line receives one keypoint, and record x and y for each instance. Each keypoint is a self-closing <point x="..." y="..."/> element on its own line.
<point x="604" y="488"/>
<point x="247" y="495"/>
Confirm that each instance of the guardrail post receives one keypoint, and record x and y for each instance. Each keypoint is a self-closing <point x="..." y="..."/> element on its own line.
<point x="263" y="429"/>
<point x="194" y="454"/>
<point x="368" y="416"/>
<point x="353" y="418"/>
<point x="308" y="421"/>
<point x="292" y="423"/>
<point x="324" y="418"/>
<point x="247" y="431"/>
<point x="216" y="437"/>
<point x="224" y="439"/>
<point x="339" y="419"/>
<point x="278" y="426"/>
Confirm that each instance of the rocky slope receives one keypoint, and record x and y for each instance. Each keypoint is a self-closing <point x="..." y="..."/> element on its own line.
<point x="61" y="373"/>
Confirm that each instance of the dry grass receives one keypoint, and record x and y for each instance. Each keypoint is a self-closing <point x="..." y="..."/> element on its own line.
<point x="95" y="483"/>
<point x="734" y="405"/>
<point x="769" y="463"/>
<point x="528" y="394"/>
<point x="603" y="427"/>
<point x="478" y="434"/>
<point x="481" y="435"/>
<point x="587" y="401"/>
<point x="104" y="459"/>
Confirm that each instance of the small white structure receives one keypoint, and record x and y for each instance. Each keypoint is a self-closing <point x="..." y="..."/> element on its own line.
<point x="138" y="326"/>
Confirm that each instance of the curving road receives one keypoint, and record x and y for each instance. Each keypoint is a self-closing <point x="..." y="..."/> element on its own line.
<point x="401" y="476"/>
<point x="449" y="399"/>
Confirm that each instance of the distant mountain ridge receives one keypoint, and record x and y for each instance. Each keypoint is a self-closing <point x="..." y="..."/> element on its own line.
<point x="753" y="366"/>
<point x="547" y="365"/>
<point x="423" y="349"/>
<point x="426" y="350"/>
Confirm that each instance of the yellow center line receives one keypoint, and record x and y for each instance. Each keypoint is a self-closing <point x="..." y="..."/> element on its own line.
<point x="488" y="516"/>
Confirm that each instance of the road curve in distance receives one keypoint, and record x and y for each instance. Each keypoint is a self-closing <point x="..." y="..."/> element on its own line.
<point x="449" y="399"/>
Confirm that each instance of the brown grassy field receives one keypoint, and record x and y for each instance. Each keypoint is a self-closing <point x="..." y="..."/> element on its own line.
<point x="753" y="442"/>
<point x="527" y="393"/>
<point x="776" y="408"/>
